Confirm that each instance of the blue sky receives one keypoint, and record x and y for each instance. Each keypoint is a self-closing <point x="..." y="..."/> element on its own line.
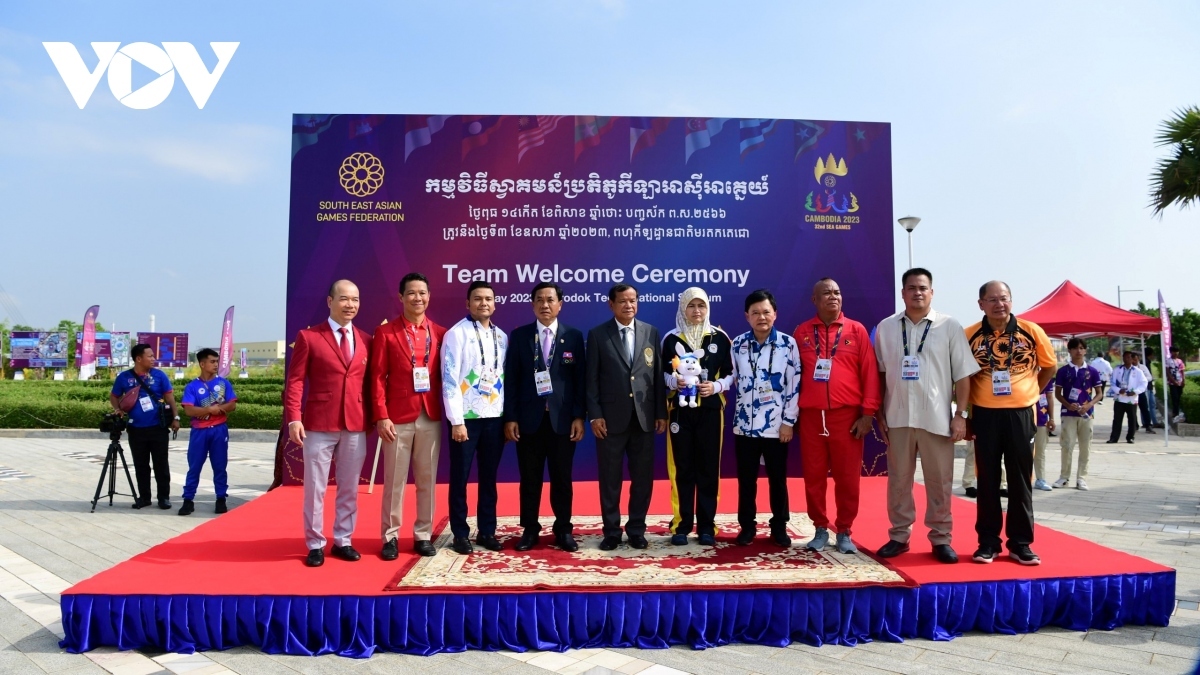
<point x="1023" y="133"/>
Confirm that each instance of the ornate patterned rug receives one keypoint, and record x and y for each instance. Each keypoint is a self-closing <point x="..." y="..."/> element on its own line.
<point x="659" y="567"/>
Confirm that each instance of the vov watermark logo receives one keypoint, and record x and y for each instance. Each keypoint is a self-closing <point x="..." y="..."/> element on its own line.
<point x="171" y="58"/>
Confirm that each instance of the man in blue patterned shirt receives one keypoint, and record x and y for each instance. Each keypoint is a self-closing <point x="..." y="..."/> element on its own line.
<point x="207" y="400"/>
<point x="765" y="381"/>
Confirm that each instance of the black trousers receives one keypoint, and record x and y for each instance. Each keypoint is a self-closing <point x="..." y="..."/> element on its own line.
<point x="485" y="440"/>
<point x="1144" y="406"/>
<point x="534" y="453"/>
<point x="1176" y="398"/>
<point x="694" y="462"/>
<point x="1120" y="411"/>
<point x="774" y="455"/>
<point x="1004" y="437"/>
<point x="637" y="446"/>
<point x="149" y="444"/>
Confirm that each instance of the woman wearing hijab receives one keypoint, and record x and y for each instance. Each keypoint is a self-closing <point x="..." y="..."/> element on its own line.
<point x="696" y="433"/>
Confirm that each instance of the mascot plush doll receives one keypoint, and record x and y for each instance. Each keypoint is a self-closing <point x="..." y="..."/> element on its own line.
<point x="687" y="374"/>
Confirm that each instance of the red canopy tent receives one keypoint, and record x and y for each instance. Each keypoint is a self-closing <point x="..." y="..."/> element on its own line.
<point x="1070" y="312"/>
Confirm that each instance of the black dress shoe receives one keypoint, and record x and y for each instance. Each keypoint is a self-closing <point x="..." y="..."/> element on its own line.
<point x="188" y="508"/>
<point x="780" y="538"/>
<point x="707" y="539"/>
<point x="346" y="553"/>
<point x="489" y="542"/>
<point x="424" y="547"/>
<point x="892" y="549"/>
<point x="164" y="504"/>
<point x="1129" y="441"/>
<point x="221" y="507"/>
<point x="610" y="543"/>
<point x="140" y="503"/>
<point x="316" y="558"/>
<point x="745" y="537"/>
<point x="462" y="546"/>
<point x="528" y="541"/>
<point x="638" y="541"/>
<point x="971" y="492"/>
<point x="566" y="541"/>
<point x="945" y="554"/>
<point x="391" y="550"/>
<point x="1110" y="441"/>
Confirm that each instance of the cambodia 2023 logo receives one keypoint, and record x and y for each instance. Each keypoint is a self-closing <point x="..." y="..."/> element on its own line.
<point x="165" y="61"/>
<point x="361" y="174"/>
<point x="827" y="172"/>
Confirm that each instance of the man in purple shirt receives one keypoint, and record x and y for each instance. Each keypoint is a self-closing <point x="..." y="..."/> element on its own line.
<point x="1077" y="388"/>
<point x="1041" y="438"/>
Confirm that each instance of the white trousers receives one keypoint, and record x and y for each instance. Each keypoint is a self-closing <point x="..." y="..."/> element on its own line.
<point x="349" y="449"/>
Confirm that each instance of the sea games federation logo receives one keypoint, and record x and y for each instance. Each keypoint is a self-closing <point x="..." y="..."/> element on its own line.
<point x="361" y="174"/>
<point x="829" y="210"/>
<point x="167" y="60"/>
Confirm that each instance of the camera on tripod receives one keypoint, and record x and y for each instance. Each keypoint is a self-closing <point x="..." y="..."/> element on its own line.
<point x="113" y="424"/>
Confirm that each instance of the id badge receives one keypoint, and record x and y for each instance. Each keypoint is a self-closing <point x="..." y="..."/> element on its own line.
<point x="421" y="379"/>
<point x="765" y="393"/>
<point x="821" y="374"/>
<point x="146" y="403"/>
<point x="487" y="380"/>
<point x="1001" y="383"/>
<point x="541" y="382"/>
<point x="910" y="368"/>
<point x="1073" y="395"/>
<point x="1042" y="400"/>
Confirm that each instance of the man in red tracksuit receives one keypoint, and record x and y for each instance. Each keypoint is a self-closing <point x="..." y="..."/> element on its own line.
<point x="839" y="394"/>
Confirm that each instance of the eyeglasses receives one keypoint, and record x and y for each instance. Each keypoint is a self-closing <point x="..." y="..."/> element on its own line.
<point x="1001" y="300"/>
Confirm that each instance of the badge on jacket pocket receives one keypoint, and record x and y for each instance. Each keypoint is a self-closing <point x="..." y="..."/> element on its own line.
<point x="649" y="354"/>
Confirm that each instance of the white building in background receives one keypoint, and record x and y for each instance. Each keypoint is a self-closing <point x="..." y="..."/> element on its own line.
<point x="260" y="353"/>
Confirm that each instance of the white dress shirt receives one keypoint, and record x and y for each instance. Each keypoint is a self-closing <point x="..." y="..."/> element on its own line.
<point x="925" y="403"/>
<point x="1131" y="379"/>
<point x="337" y="334"/>
<point x="541" y="334"/>
<point x="627" y="337"/>
<point x="1103" y="367"/>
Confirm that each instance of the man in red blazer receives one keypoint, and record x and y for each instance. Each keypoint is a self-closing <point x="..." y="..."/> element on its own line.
<point x="406" y="397"/>
<point x="332" y="358"/>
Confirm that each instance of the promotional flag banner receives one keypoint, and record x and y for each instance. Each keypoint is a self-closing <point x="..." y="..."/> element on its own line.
<point x="226" y="344"/>
<point x="87" y="355"/>
<point x="1165" y="317"/>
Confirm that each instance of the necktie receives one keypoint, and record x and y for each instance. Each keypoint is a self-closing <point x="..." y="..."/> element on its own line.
<point x="547" y="343"/>
<point x="627" y="338"/>
<point x="345" y="345"/>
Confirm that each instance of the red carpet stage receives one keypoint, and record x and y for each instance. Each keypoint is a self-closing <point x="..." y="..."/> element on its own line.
<point x="240" y="580"/>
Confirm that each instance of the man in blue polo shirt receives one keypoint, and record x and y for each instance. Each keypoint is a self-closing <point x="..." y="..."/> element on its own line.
<point x="207" y="400"/>
<point x="144" y="393"/>
<point x="1077" y="386"/>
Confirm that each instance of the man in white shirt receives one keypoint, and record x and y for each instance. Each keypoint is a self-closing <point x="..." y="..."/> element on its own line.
<point x="1146" y="402"/>
<point x="1102" y="366"/>
<point x="473" y="354"/>
<point x="1127" y="383"/>
<point x="925" y="363"/>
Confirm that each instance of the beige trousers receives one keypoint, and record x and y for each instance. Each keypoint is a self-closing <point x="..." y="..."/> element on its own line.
<point x="416" y="444"/>
<point x="937" y="466"/>
<point x="1041" y="439"/>
<point x="1075" y="429"/>
<point x="968" y="477"/>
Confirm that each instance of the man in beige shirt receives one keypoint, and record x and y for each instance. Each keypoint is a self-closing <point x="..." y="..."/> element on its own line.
<point x="925" y="364"/>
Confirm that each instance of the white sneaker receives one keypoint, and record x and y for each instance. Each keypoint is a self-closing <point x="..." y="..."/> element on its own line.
<point x="1081" y="484"/>
<point x="1061" y="482"/>
<point x="1177" y="419"/>
<point x="1040" y="484"/>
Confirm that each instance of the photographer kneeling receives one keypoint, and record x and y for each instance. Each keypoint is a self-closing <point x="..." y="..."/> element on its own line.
<point x="144" y="393"/>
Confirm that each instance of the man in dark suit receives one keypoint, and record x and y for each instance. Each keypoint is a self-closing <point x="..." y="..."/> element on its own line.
<point x="626" y="401"/>
<point x="543" y="412"/>
<point x="331" y="357"/>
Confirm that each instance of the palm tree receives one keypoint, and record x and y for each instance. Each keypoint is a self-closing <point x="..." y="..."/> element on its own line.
<point x="1177" y="178"/>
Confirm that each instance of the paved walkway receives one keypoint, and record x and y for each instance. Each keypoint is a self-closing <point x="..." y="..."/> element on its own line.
<point x="1144" y="499"/>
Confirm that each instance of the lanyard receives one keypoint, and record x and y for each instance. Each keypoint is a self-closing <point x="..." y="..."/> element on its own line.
<point x="836" y="341"/>
<point x="1128" y="373"/>
<point x="1012" y="351"/>
<point x="412" y="350"/>
<point x="495" y="345"/>
<point x="757" y="353"/>
<point x="537" y="349"/>
<point x="904" y="332"/>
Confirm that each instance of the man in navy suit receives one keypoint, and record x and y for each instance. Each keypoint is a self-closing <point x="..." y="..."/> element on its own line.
<point x="543" y="412"/>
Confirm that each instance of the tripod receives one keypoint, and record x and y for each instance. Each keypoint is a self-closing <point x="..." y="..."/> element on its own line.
<point x="110" y="460"/>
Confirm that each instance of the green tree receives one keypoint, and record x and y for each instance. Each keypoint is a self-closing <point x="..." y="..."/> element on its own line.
<point x="1185" y="330"/>
<point x="1176" y="179"/>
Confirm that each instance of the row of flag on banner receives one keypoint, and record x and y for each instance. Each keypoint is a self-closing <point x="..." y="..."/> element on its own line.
<point x="532" y="131"/>
<point x="87" y="350"/>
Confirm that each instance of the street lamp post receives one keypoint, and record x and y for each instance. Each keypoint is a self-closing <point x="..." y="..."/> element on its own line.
<point x="1127" y="290"/>
<point x="909" y="223"/>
